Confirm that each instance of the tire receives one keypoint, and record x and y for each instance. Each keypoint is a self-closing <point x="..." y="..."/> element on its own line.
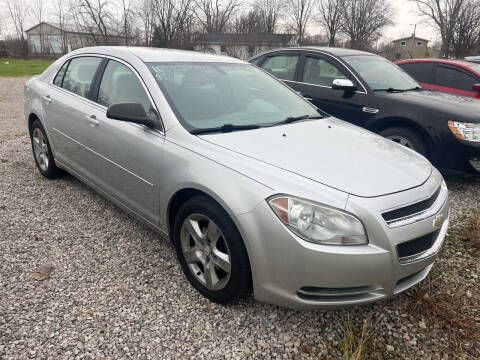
<point x="203" y="262"/>
<point x="42" y="153"/>
<point x="407" y="137"/>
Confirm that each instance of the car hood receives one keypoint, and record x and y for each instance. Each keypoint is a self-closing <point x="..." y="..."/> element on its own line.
<point x="437" y="100"/>
<point x="331" y="152"/>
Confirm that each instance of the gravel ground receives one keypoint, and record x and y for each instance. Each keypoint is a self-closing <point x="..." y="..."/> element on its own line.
<point x="117" y="291"/>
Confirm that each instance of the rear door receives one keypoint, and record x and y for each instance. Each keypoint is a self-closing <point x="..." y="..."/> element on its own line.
<point x="315" y="78"/>
<point x="420" y="71"/>
<point x="65" y="105"/>
<point x="127" y="156"/>
<point x="454" y="79"/>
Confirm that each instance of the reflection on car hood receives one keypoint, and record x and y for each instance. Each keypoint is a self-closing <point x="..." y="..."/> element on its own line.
<point x="438" y="100"/>
<point x="334" y="153"/>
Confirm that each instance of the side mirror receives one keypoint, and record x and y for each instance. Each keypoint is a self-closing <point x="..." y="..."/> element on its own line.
<point x="343" y="84"/>
<point x="476" y="87"/>
<point x="131" y="112"/>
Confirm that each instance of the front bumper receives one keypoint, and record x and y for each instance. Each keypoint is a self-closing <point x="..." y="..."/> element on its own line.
<point x="292" y="272"/>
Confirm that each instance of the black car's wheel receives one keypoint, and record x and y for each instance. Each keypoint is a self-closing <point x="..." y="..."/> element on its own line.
<point x="42" y="152"/>
<point x="406" y="137"/>
<point x="211" y="251"/>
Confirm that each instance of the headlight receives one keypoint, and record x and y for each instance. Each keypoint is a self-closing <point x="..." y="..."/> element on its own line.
<point x="318" y="223"/>
<point x="465" y="131"/>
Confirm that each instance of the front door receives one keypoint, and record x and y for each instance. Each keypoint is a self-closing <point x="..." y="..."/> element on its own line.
<point x="315" y="79"/>
<point x="127" y="155"/>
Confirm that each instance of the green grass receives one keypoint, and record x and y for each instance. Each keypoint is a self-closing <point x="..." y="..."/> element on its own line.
<point x="23" y="67"/>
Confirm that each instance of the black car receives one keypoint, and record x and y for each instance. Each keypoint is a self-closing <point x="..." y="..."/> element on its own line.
<point x="372" y="92"/>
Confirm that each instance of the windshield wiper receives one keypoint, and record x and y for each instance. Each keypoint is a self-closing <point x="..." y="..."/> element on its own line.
<point x="292" y="119"/>
<point x="224" y="129"/>
<point x="390" y="89"/>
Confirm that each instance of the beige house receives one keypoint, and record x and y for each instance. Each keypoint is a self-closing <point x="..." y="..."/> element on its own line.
<point x="410" y="48"/>
<point x="243" y="46"/>
<point x="48" y="39"/>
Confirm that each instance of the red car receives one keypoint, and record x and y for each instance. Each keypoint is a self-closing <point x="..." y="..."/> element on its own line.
<point x="456" y="76"/>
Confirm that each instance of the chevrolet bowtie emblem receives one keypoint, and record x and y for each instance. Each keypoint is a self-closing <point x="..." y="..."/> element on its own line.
<point x="438" y="221"/>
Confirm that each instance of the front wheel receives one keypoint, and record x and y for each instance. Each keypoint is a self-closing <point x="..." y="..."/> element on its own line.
<point x="406" y="137"/>
<point x="211" y="251"/>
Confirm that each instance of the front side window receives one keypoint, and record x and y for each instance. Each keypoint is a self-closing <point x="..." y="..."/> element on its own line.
<point x="79" y="74"/>
<point x="208" y="95"/>
<point x="60" y="74"/>
<point x="454" y="79"/>
<point x="281" y="66"/>
<point x="120" y="84"/>
<point x="320" y="72"/>
<point x="381" y="74"/>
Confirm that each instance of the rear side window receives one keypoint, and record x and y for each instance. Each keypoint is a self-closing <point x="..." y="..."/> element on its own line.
<point x="454" y="78"/>
<point x="60" y="74"/>
<point x="419" y="71"/>
<point x="79" y="75"/>
<point x="120" y="84"/>
<point x="320" y="72"/>
<point x="281" y="66"/>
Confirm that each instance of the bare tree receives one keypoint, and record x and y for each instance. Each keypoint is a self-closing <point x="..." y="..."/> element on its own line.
<point x="95" y="18"/>
<point x="127" y="20"/>
<point x="215" y="15"/>
<point x="467" y="30"/>
<point x="18" y="10"/>
<point x="451" y="18"/>
<point x="173" y="20"/>
<point x="299" y="12"/>
<point x="37" y="11"/>
<point x="60" y="15"/>
<point x="146" y="15"/>
<point x="248" y="23"/>
<point x="330" y="17"/>
<point x="270" y="12"/>
<point x="363" y="20"/>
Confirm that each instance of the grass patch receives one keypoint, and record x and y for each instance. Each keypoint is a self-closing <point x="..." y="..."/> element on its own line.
<point x="358" y="344"/>
<point x="23" y="67"/>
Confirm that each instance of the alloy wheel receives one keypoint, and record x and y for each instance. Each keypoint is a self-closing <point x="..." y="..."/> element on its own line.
<point x="205" y="251"/>
<point x="402" y="141"/>
<point x="40" y="149"/>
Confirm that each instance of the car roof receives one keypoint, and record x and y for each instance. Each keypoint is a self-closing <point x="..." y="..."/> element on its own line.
<point x="467" y="65"/>
<point x="325" y="49"/>
<point x="149" y="54"/>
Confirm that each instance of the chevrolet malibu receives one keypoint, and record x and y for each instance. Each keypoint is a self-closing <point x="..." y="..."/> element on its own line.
<point x="258" y="189"/>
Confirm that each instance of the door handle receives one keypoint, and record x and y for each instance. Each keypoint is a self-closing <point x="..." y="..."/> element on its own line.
<point x="47" y="98"/>
<point x="92" y="119"/>
<point x="307" y="97"/>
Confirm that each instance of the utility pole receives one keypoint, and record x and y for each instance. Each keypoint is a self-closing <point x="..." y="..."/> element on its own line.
<point x="413" y="39"/>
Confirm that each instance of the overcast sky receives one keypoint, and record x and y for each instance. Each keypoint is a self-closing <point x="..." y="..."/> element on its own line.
<point x="405" y="18"/>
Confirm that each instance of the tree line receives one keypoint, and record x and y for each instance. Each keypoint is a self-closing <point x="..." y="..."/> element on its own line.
<point x="356" y="24"/>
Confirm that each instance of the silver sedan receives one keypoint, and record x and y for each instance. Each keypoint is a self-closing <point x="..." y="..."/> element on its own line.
<point x="258" y="189"/>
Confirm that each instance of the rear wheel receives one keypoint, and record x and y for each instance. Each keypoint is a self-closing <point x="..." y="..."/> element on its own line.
<point x="211" y="251"/>
<point x="42" y="152"/>
<point x="406" y="137"/>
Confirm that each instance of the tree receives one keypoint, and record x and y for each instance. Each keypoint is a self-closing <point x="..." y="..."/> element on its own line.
<point x="146" y="14"/>
<point x="60" y="14"/>
<point x="299" y="12"/>
<point x="95" y="18"/>
<point x="248" y="23"/>
<point x="456" y="20"/>
<point x="363" y="21"/>
<point x="173" y="21"/>
<point x="18" y="10"/>
<point x="330" y="17"/>
<point x="269" y="12"/>
<point x="215" y="15"/>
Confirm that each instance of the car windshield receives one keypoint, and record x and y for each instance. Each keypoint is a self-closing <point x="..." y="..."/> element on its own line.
<point x="212" y="95"/>
<point x="381" y="74"/>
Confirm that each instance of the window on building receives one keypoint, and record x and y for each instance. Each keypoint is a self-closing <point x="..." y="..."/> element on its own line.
<point x="403" y="43"/>
<point x="223" y="48"/>
<point x="419" y="43"/>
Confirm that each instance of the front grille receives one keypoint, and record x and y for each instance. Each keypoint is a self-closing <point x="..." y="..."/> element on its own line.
<point x="416" y="246"/>
<point x="410" y="210"/>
